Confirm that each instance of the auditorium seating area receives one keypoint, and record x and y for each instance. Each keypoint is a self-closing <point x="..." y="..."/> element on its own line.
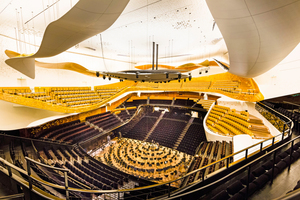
<point x="225" y="85"/>
<point x="76" y="131"/>
<point x="229" y="122"/>
<point x="184" y="102"/>
<point x="206" y="104"/>
<point x="277" y="122"/>
<point x="65" y="96"/>
<point x="292" y="114"/>
<point x="148" y="160"/>
<point x="123" y="115"/>
<point x="140" y="130"/>
<point x="85" y="171"/>
<point x="166" y="133"/>
<point x="191" y="140"/>
<point x="209" y="152"/>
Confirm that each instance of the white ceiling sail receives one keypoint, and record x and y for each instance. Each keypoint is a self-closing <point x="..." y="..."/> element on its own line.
<point x="87" y="18"/>
<point x="258" y="33"/>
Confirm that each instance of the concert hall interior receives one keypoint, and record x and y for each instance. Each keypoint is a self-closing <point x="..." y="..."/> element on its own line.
<point x="149" y="99"/>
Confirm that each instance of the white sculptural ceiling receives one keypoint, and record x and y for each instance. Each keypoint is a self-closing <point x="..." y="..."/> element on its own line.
<point x="183" y="30"/>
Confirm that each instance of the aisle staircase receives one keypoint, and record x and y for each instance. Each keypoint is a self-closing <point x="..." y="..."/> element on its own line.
<point x="154" y="126"/>
<point x="206" y="104"/>
<point x="121" y="120"/>
<point x="186" y="128"/>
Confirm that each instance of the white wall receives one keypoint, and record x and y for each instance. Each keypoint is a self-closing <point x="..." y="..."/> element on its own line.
<point x="283" y="79"/>
<point x="15" y="116"/>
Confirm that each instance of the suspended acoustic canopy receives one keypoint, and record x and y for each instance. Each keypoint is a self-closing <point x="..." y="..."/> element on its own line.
<point x="147" y="75"/>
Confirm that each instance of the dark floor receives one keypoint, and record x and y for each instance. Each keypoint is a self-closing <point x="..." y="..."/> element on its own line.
<point x="283" y="183"/>
<point x="4" y="191"/>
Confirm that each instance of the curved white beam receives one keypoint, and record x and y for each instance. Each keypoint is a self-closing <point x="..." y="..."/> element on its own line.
<point x="85" y="19"/>
<point x="258" y="33"/>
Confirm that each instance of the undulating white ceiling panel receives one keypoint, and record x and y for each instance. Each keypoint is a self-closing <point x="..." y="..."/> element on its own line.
<point x="258" y="33"/>
<point x="87" y="18"/>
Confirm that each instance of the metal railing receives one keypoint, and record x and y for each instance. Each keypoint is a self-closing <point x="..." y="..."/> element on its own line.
<point x="14" y="196"/>
<point x="248" y="166"/>
<point x="287" y="123"/>
<point x="168" y="190"/>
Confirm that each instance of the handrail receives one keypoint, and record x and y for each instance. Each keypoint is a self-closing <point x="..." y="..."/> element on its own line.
<point x="44" y="165"/>
<point x="14" y="196"/>
<point x="150" y="186"/>
<point x="276" y="112"/>
<point x="33" y="139"/>
<point x="237" y="170"/>
<point x="287" y="120"/>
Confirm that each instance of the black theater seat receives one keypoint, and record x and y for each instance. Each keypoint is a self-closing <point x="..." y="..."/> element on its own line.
<point x="223" y="195"/>
<point x="259" y="171"/>
<point x="252" y="188"/>
<point x="237" y="196"/>
<point x="283" y="155"/>
<point x="281" y="165"/>
<point x="234" y="187"/>
<point x="269" y="173"/>
<point x="267" y="165"/>
<point x="245" y="179"/>
<point x="261" y="181"/>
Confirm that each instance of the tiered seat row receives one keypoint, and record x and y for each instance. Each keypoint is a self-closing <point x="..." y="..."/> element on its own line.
<point x="146" y="159"/>
<point x="184" y="102"/>
<point x="65" y="96"/>
<point x="141" y="129"/>
<point x="74" y="96"/>
<point x="158" y="101"/>
<point x="259" y="176"/>
<point x="105" y="121"/>
<point x="225" y="85"/>
<point x="193" y="137"/>
<point x="208" y="153"/>
<point x="206" y="103"/>
<point x="130" y="103"/>
<point x="224" y="121"/>
<point x="76" y="131"/>
<point x="46" y="133"/>
<point x="131" y="111"/>
<point x="166" y="133"/>
<point x="123" y="115"/>
<point x="177" y="114"/>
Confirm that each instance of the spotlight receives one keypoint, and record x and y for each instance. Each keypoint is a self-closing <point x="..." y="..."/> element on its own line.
<point x="179" y="76"/>
<point x="97" y="74"/>
<point x="104" y="77"/>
